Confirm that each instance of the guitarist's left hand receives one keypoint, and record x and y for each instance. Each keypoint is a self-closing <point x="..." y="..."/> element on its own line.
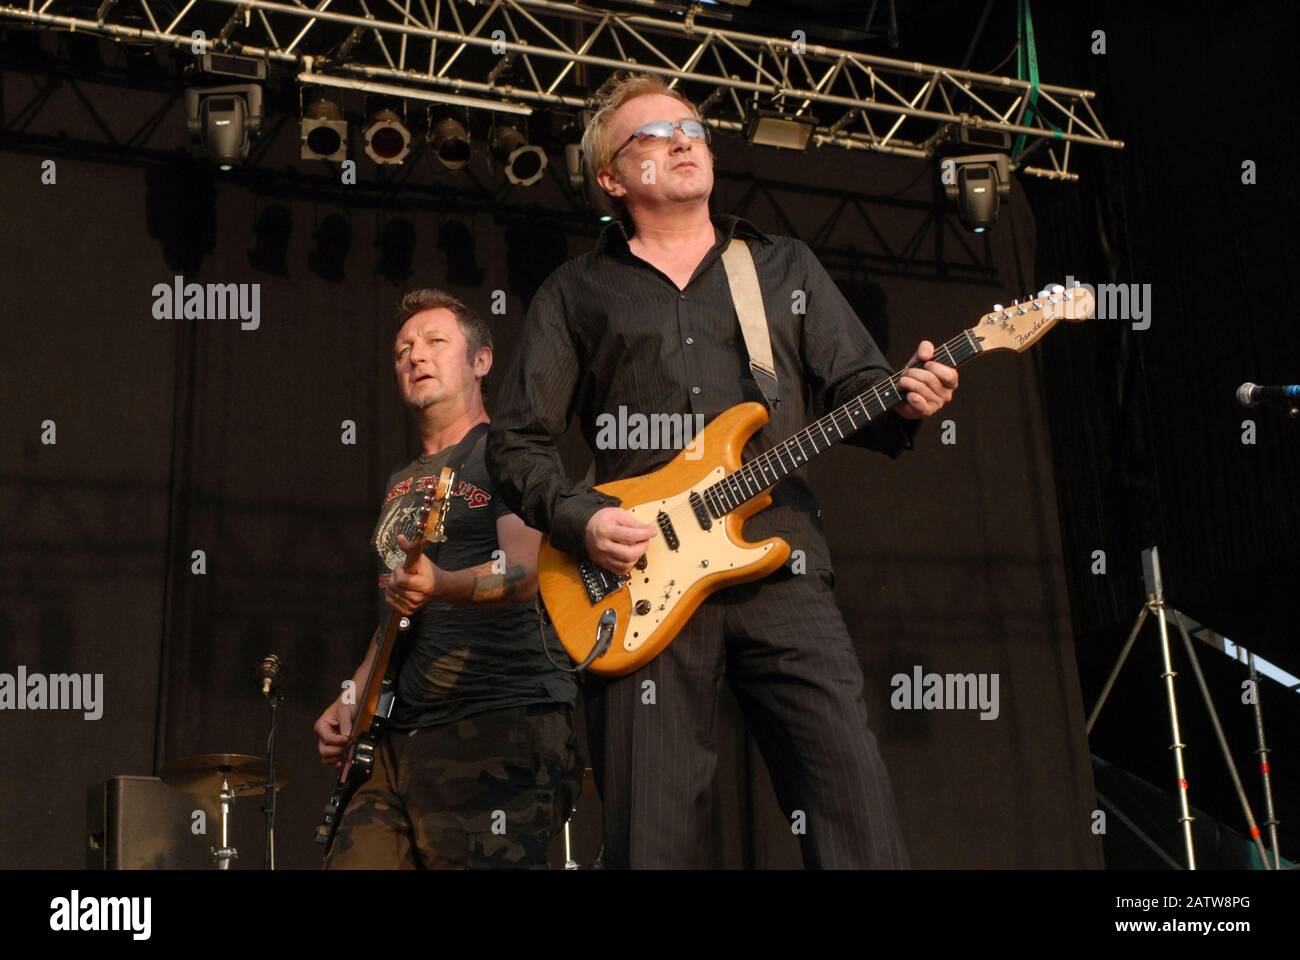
<point x="407" y="592"/>
<point x="927" y="388"/>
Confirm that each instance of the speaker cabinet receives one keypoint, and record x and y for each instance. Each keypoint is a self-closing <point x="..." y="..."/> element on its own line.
<point x="140" y="823"/>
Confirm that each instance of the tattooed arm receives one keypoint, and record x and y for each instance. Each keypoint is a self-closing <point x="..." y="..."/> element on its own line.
<point x="511" y="578"/>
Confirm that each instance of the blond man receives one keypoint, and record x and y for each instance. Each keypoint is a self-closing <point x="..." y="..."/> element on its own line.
<point x="646" y="322"/>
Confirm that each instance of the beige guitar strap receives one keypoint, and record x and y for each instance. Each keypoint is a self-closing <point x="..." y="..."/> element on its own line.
<point x="748" y="298"/>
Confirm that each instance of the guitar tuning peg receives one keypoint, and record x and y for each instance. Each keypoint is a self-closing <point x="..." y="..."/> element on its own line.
<point x="997" y="308"/>
<point x="1056" y="288"/>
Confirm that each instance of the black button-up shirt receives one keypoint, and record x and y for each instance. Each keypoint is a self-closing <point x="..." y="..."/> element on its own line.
<point x="610" y="334"/>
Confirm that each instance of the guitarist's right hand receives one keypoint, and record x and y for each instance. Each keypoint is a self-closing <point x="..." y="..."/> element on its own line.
<point x="616" y="540"/>
<point x="333" y="729"/>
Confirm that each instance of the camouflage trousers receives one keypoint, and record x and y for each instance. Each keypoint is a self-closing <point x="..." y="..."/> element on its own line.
<point x="492" y="790"/>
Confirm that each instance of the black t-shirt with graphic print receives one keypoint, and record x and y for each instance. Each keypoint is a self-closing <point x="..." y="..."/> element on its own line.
<point x="463" y="660"/>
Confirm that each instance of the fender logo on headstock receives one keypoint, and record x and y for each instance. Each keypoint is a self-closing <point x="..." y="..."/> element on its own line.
<point x="1022" y="337"/>
<point x="1020" y="326"/>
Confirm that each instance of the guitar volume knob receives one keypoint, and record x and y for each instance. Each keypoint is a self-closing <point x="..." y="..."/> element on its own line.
<point x="643" y="607"/>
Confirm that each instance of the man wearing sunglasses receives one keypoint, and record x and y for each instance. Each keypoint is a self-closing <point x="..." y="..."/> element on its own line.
<point x="646" y="322"/>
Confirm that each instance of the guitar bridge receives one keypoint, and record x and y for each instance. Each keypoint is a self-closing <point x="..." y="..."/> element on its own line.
<point x="599" y="582"/>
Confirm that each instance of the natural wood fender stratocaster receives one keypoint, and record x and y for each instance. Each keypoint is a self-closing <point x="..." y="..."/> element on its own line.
<point x="702" y="498"/>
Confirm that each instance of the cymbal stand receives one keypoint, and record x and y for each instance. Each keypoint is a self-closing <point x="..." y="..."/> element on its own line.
<point x="225" y="853"/>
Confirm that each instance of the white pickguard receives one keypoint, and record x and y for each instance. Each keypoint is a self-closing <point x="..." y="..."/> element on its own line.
<point x="668" y="574"/>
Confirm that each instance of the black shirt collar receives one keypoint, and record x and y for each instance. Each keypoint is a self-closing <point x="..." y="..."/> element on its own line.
<point x="617" y="232"/>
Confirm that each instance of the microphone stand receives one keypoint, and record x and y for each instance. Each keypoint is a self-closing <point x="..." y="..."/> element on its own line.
<point x="269" y="797"/>
<point x="1164" y="612"/>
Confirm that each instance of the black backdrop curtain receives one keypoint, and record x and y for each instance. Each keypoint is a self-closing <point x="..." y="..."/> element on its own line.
<point x="1147" y="438"/>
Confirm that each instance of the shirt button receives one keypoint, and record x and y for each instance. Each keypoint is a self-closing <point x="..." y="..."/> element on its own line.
<point x="695" y="389"/>
<point x="683" y="296"/>
<point x="690" y="340"/>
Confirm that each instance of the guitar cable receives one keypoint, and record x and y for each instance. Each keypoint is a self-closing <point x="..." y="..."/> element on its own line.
<point x="597" y="649"/>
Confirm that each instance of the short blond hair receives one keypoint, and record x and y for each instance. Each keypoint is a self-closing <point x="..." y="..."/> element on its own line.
<point x="597" y="147"/>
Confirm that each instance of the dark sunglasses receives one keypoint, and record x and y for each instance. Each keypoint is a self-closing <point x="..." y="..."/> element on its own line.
<point x="663" y="130"/>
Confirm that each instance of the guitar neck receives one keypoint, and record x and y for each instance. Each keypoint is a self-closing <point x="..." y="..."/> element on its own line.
<point x="777" y="463"/>
<point x="386" y="641"/>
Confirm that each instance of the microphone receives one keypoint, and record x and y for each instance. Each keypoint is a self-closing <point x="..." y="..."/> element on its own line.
<point x="1250" y="395"/>
<point x="271" y="672"/>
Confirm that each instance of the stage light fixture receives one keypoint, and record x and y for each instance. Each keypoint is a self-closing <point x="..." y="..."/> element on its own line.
<point x="580" y="178"/>
<point x="449" y="142"/>
<point x="570" y="134"/>
<point x="523" y="161"/>
<point x="768" y="128"/>
<point x="324" y="132"/>
<point x="573" y="166"/>
<point x="977" y="184"/>
<point x="225" y="120"/>
<point x="231" y="65"/>
<point x="387" y="139"/>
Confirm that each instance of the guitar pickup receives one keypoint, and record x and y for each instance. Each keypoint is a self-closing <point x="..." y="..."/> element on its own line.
<point x="666" y="528"/>
<point x="701" y="511"/>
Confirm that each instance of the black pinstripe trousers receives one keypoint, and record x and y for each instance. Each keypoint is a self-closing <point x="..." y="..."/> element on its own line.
<point x="783" y="646"/>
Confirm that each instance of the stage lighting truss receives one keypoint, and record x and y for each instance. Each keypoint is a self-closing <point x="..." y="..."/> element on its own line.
<point x="560" y="51"/>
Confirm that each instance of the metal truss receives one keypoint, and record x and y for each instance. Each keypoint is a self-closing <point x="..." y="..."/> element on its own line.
<point x="520" y="55"/>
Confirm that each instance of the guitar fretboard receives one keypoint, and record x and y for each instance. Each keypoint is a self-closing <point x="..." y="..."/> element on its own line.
<point x="777" y="463"/>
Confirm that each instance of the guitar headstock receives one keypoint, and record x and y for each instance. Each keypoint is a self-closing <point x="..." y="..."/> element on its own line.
<point x="431" y="518"/>
<point x="433" y="513"/>
<point x="1023" y="324"/>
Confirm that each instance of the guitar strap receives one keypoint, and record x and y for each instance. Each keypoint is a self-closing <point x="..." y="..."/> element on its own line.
<point x="748" y="298"/>
<point x="462" y="451"/>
